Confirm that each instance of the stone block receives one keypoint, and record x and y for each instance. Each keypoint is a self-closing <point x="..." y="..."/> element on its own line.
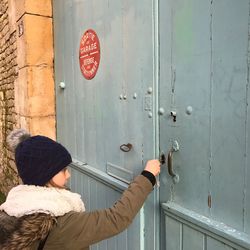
<point x="41" y="91"/>
<point x="35" y="45"/>
<point x="42" y="125"/>
<point x="36" y="7"/>
<point x="34" y="92"/>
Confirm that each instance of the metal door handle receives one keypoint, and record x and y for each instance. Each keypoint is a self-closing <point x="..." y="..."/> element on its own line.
<point x="126" y="147"/>
<point x="170" y="162"/>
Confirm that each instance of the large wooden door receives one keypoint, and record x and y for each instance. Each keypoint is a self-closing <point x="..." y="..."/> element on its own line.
<point x="173" y="79"/>
<point x="95" y="117"/>
<point x="204" y="124"/>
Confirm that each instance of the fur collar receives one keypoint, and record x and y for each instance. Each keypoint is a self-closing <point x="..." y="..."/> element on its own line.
<point x="28" y="199"/>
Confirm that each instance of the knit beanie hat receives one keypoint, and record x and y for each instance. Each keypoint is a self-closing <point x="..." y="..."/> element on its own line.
<point x="38" y="158"/>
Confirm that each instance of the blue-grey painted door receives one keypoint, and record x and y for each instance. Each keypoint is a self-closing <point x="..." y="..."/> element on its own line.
<point x="188" y="57"/>
<point x="95" y="117"/>
<point x="203" y="102"/>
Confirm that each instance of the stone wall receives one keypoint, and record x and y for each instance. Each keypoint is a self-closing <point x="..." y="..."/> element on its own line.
<point x="35" y="95"/>
<point x="27" y="97"/>
<point x="8" y="76"/>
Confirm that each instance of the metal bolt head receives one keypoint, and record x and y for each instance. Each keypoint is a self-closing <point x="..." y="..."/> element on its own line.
<point x="62" y="85"/>
<point x="135" y="96"/>
<point x="150" y="114"/>
<point x="161" y="111"/>
<point x="189" y="110"/>
<point x="150" y="90"/>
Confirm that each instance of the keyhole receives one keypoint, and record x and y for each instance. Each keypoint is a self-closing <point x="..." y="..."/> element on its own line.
<point x="173" y="114"/>
<point x="162" y="159"/>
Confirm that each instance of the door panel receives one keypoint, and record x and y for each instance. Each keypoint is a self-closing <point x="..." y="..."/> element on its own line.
<point x="204" y="79"/>
<point x="107" y="111"/>
<point x="228" y="111"/>
<point x="95" y="117"/>
<point x="184" y="83"/>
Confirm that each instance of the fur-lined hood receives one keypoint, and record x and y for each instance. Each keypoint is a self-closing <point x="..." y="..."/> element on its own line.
<point x="28" y="199"/>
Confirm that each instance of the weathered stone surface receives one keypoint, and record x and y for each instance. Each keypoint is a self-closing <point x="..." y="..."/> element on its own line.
<point x="40" y="125"/>
<point x="34" y="94"/>
<point x="26" y="76"/>
<point x="21" y="95"/>
<point x="41" y="91"/>
<point x="37" y="7"/>
<point x="8" y="74"/>
<point x="35" y="45"/>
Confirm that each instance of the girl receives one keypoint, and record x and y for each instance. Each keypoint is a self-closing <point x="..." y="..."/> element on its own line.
<point x="42" y="214"/>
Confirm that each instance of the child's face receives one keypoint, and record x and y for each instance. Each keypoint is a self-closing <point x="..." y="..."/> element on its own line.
<point x="61" y="178"/>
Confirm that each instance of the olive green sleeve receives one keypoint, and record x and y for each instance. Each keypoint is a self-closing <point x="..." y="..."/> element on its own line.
<point x="84" y="229"/>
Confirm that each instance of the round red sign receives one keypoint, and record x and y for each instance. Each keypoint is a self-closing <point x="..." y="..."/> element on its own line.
<point x="89" y="54"/>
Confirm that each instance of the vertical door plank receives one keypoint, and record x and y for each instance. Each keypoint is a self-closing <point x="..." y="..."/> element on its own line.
<point x="192" y="239"/>
<point x="166" y="43"/>
<point x="247" y="169"/>
<point x="68" y="94"/>
<point x="111" y="73"/>
<point x="58" y="10"/>
<point x="173" y="234"/>
<point x="77" y="11"/>
<point x="122" y="241"/>
<point x="134" y="234"/>
<point x="229" y="77"/>
<point x="247" y="162"/>
<point x="191" y="89"/>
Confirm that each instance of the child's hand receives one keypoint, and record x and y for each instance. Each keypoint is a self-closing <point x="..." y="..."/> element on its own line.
<point x="153" y="166"/>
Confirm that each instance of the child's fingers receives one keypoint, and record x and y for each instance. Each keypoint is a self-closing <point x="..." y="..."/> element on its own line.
<point x="153" y="166"/>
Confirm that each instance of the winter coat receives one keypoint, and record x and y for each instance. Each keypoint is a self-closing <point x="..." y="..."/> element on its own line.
<point x="74" y="230"/>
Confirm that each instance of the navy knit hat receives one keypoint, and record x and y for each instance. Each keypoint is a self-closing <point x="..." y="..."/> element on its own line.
<point x="38" y="158"/>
